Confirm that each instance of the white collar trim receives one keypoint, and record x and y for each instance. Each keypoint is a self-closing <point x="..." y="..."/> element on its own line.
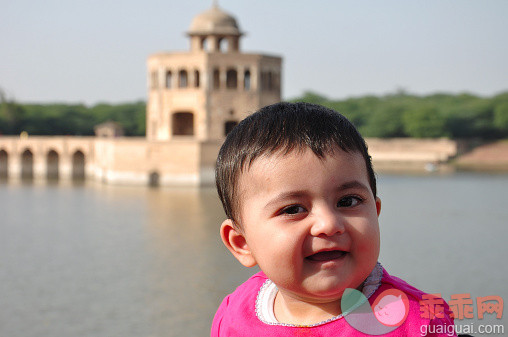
<point x="268" y="291"/>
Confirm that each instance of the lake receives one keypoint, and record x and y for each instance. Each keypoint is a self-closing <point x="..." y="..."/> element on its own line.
<point x="97" y="260"/>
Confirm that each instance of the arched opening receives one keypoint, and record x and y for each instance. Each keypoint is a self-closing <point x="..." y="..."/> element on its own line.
<point x="216" y="78"/>
<point x="204" y="44"/>
<point x="183" y="124"/>
<point x="169" y="78"/>
<point x="228" y="126"/>
<point x="52" y="160"/>
<point x="246" y="80"/>
<point x="196" y="78"/>
<point x="153" y="179"/>
<point x="78" y="166"/>
<point x="4" y="165"/>
<point x="182" y="79"/>
<point x="223" y="45"/>
<point x="27" y="165"/>
<point x="231" y="79"/>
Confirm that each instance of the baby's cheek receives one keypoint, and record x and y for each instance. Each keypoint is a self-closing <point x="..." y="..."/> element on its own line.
<point x="371" y="237"/>
<point x="368" y="243"/>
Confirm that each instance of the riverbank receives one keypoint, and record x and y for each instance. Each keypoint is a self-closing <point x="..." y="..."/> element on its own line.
<point x="411" y="154"/>
<point x="486" y="157"/>
<point x="437" y="155"/>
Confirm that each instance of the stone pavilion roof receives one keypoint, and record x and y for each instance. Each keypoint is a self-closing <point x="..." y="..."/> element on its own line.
<point x="214" y="21"/>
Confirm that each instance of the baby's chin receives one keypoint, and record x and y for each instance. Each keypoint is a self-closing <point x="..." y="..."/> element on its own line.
<point x="327" y="287"/>
<point x="313" y="297"/>
<point x="322" y="294"/>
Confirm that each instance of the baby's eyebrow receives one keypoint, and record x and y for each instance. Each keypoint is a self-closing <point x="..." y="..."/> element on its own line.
<point x="284" y="196"/>
<point x="352" y="184"/>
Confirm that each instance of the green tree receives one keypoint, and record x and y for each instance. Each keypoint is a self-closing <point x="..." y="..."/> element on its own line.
<point x="501" y="117"/>
<point x="424" y="122"/>
<point x="12" y="116"/>
<point x="311" y="97"/>
<point x="458" y="116"/>
<point x="386" y="122"/>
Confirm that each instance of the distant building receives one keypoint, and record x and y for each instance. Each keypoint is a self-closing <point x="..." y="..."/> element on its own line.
<point x="109" y="129"/>
<point x="204" y="92"/>
<point x="194" y="99"/>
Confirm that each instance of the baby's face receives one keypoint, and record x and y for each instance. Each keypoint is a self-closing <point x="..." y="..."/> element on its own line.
<point x="310" y="224"/>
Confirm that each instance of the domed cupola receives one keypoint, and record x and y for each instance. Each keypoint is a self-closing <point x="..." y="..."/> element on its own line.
<point x="212" y="29"/>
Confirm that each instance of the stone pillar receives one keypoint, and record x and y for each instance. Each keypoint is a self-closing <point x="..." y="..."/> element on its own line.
<point x="39" y="166"/>
<point x="161" y="78"/>
<point x="254" y="79"/>
<point x="14" y="166"/>
<point x="191" y="78"/>
<point x="241" y="78"/>
<point x="196" y="43"/>
<point x="233" y="44"/>
<point x="222" y="77"/>
<point x="213" y="44"/>
<point x="65" y="168"/>
<point x="89" y="168"/>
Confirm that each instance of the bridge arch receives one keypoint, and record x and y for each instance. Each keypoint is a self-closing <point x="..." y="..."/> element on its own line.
<point x="154" y="179"/>
<point x="52" y="165"/>
<point x="4" y="164"/>
<point x="78" y="165"/>
<point x="27" y="165"/>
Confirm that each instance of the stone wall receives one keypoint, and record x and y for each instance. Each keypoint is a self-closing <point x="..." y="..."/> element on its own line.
<point x="410" y="153"/>
<point x="181" y="161"/>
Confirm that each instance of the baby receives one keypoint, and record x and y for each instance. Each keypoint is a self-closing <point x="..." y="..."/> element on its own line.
<point x="299" y="191"/>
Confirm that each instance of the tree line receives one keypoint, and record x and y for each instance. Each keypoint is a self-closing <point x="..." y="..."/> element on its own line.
<point x="68" y="119"/>
<point x="433" y="116"/>
<point x="395" y="115"/>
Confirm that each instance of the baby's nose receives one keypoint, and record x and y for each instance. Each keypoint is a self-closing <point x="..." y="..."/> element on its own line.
<point x="327" y="222"/>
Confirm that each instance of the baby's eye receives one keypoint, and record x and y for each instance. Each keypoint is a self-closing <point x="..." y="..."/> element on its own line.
<point x="294" y="209"/>
<point x="349" y="201"/>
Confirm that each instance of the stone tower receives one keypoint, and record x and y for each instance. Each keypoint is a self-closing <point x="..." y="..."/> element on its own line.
<point x="203" y="93"/>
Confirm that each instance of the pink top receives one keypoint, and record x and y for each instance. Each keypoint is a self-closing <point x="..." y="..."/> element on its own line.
<point x="237" y="316"/>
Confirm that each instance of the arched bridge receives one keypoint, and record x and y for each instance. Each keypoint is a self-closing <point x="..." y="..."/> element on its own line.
<point x="50" y="158"/>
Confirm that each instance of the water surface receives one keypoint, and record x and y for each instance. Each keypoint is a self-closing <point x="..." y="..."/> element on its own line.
<point x="95" y="260"/>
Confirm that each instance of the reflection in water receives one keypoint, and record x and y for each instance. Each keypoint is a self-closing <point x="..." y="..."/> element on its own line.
<point x="95" y="260"/>
<point x="187" y="256"/>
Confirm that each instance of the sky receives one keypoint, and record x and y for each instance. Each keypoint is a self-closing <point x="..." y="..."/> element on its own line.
<point x="91" y="51"/>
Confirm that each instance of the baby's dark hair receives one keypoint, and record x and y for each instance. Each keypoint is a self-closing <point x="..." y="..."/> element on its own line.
<point x="283" y="127"/>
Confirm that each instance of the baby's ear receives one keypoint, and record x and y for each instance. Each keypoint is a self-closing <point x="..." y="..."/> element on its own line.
<point x="378" y="205"/>
<point x="234" y="240"/>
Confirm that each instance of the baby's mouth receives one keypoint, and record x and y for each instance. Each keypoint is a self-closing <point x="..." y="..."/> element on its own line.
<point x="326" y="255"/>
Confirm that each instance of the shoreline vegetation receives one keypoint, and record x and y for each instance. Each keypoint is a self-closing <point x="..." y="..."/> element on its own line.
<point x="478" y="125"/>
